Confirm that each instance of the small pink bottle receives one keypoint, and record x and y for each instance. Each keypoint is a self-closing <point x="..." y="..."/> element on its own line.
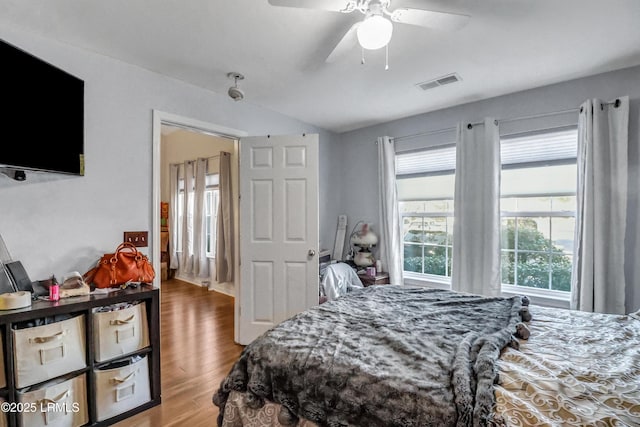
<point x="54" y="293"/>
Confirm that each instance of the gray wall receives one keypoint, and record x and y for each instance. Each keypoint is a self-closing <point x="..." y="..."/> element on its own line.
<point x="65" y="225"/>
<point x="359" y="156"/>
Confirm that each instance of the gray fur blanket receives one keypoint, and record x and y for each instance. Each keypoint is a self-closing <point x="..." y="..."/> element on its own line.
<point x="381" y="356"/>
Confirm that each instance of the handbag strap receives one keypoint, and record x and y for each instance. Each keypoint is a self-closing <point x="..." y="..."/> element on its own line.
<point x="126" y="245"/>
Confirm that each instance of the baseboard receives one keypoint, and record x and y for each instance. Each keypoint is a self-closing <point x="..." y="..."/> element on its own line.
<point x="223" y="288"/>
<point x="188" y="280"/>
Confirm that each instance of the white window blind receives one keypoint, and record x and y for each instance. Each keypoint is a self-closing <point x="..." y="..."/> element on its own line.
<point x="212" y="180"/>
<point x="531" y="148"/>
<point x="539" y="147"/>
<point x="426" y="162"/>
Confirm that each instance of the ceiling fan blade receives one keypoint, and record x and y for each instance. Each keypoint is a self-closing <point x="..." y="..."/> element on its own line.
<point x="331" y="5"/>
<point x="348" y="41"/>
<point x="429" y="18"/>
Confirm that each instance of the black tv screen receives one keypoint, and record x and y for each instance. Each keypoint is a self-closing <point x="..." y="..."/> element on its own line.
<point x="41" y="114"/>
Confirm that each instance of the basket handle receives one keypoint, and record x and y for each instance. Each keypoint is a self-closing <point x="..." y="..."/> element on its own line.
<point x="123" y="321"/>
<point x="44" y="402"/>
<point x="42" y="340"/>
<point x="117" y="380"/>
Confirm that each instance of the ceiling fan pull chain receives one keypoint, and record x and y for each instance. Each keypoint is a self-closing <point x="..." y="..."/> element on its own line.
<point x="362" y="57"/>
<point x="386" y="57"/>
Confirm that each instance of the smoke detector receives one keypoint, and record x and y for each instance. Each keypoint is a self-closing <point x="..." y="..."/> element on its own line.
<point x="234" y="91"/>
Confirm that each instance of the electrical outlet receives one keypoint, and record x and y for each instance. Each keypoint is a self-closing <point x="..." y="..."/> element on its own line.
<point x="138" y="238"/>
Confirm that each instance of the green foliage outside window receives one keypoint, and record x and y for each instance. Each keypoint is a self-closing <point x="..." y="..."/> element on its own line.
<point x="538" y="261"/>
<point x="435" y="261"/>
<point x="535" y="257"/>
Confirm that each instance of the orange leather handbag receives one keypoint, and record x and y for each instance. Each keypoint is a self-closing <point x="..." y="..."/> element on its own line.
<point x="124" y="266"/>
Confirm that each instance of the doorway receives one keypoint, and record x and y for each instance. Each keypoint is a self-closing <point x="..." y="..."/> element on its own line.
<point x="187" y="126"/>
<point x="280" y="222"/>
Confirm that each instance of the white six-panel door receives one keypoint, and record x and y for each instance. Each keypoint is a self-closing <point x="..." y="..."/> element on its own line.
<point x="278" y="230"/>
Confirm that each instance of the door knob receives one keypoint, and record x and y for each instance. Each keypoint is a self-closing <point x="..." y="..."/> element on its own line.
<point x="311" y="252"/>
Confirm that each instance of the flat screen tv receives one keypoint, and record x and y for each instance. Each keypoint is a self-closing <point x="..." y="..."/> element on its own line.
<point x="41" y="114"/>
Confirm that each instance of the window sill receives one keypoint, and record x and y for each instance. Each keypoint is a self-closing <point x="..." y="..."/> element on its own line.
<point x="537" y="296"/>
<point x="429" y="281"/>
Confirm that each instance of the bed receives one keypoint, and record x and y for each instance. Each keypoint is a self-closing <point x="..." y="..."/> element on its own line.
<point x="409" y="356"/>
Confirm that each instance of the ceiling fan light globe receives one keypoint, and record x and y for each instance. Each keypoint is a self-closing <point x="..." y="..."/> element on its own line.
<point x="374" y="32"/>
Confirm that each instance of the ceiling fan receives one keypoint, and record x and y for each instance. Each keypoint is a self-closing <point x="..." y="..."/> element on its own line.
<point x="375" y="30"/>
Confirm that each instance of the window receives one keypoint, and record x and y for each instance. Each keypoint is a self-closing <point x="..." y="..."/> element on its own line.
<point x="538" y="204"/>
<point x="426" y="182"/>
<point x="428" y="236"/>
<point x="537" y="242"/>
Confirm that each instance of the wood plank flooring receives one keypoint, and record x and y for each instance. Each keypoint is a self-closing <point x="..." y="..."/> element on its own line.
<point x="197" y="351"/>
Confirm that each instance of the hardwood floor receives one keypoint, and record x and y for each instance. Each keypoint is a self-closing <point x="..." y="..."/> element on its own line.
<point x="196" y="351"/>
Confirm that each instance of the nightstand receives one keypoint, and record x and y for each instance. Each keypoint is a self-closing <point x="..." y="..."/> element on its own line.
<point x="378" y="279"/>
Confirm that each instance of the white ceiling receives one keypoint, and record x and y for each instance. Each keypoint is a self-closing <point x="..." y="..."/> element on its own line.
<point x="507" y="46"/>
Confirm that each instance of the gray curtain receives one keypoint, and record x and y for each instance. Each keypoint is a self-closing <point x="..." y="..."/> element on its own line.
<point x="390" y="242"/>
<point x="200" y="260"/>
<point x="476" y="225"/>
<point x="186" y="261"/>
<point x="225" y="243"/>
<point x="598" y="282"/>
<point x="174" y="177"/>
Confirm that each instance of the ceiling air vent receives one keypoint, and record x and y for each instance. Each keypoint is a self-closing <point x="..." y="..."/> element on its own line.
<point x="440" y="81"/>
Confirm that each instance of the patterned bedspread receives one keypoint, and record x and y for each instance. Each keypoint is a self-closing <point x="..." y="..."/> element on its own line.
<point x="576" y="369"/>
<point x="381" y="356"/>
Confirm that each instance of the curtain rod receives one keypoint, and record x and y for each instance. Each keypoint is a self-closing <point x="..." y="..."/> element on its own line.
<point x="196" y="129"/>
<point x="210" y="157"/>
<point x="511" y="119"/>
<point x="615" y="103"/>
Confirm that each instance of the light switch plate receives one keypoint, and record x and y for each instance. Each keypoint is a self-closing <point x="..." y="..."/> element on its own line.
<point x="137" y="238"/>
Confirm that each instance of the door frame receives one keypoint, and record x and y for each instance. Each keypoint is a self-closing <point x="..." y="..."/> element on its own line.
<point x="160" y="118"/>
